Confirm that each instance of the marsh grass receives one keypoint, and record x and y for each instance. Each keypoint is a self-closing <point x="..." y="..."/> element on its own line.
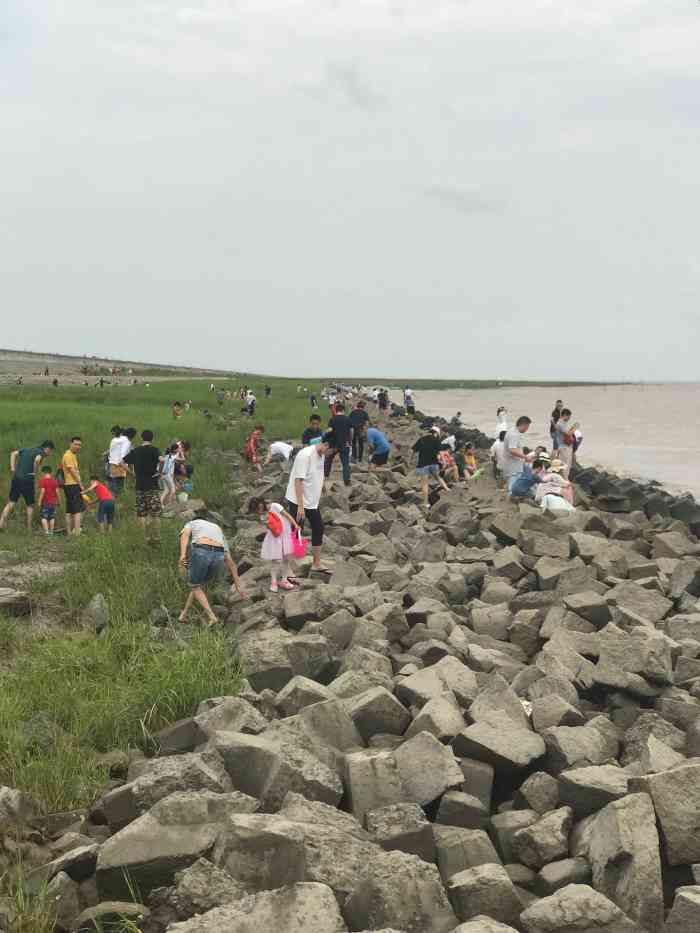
<point x="67" y="699"/>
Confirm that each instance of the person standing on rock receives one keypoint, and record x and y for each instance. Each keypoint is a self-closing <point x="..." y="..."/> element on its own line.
<point x="565" y="438"/>
<point x="208" y="554"/>
<point x="340" y="426"/>
<point x="553" y="419"/>
<point x="24" y="464"/>
<point x="501" y="419"/>
<point x="513" y="455"/>
<point x="360" y="419"/>
<point x="427" y="447"/>
<point x="498" y="456"/>
<point x="304" y="492"/>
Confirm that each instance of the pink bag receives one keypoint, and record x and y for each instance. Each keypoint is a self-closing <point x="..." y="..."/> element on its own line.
<point x="299" y="544"/>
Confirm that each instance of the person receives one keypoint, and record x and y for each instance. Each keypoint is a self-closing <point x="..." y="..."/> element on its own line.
<point x="553" y="419"/>
<point x="379" y="448"/>
<point x="167" y="474"/>
<point x="554" y="483"/>
<point x="524" y="484"/>
<point x="341" y="427"/>
<point x="304" y="493"/>
<point x="105" y="503"/>
<point x="498" y="455"/>
<point x="359" y="419"/>
<point x="448" y="440"/>
<point x="268" y="391"/>
<point x="278" y="549"/>
<point x="208" y="554"/>
<point x="145" y="460"/>
<point x="383" y="400"/>
<point x="565" y="437"/>
<point x="250" y="450"/>
<point x="314" y="402"/>
<point x="513" y="454"/>
<point x="501" y="419"/>
<point x="177" y="410"/>
<point x="448" y="465"/>
<point x="460" y="461"/>
<point x="278" y="452"/>
<point x="408" y="401"/>
<point x="48" y="500"/>
<point x="72" y="487"/>
<point x="427" y="447"/>
<point x="54" y="383"/>
<point x="250" y="401"/>
<point x="119" y="447"/>
<point x="24" y="464"/>
<point x="313" y="432"/>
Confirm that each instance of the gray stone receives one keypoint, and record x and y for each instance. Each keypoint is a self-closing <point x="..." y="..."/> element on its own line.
<point x="426" y="768"/>
<point x="676" y="798"/>
<point x="460" y="809"/>
<point x="402" y="827"/>
<point x="577" y="747"/>
<point x="544" y="841"/>
<point x="109" y="914"/>
<point x="646" y="603"/>
<point x="577" y="908"/>
<point x="500" y="743"/>
<point x="377" y="711"/>
<point x="297" y="694"/>
<point x="478" y="779"/>
<point x="483" y="924"/>
<point x="587" y="790"/>
<point x="552" y="711"/>
<point x="440" y="716"/>
<point x="261" y="851"/>
<point x="557" y="875"/>
<point x="484" y="889"/>
<point x="590" y="606"/>
<point x="448" y="674"/>
<point x="263" y="656"/>
<point x="64" y="893"/>
<point x="459" y="848"/>
<point x="624" y="856"/>
<point x="505" y="825"/>
<point x="684" y="916"/>
<point x="495" y="699"/>
<point x="540" y="792"/>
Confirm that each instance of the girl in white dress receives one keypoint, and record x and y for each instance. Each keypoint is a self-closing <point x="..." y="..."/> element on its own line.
<point x="278" y="549"/>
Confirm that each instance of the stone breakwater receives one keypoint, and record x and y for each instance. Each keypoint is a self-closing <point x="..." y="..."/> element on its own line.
<point x="485" y="720"/>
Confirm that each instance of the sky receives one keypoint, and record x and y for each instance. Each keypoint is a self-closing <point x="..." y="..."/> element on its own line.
<point x="425" y="188"/>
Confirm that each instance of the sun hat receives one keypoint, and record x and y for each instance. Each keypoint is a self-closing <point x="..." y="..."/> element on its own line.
<point x="557" y="466"/>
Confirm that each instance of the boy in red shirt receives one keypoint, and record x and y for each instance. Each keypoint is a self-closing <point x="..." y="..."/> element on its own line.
<point x="48" y="500"/>
<point x="105" y="503"/>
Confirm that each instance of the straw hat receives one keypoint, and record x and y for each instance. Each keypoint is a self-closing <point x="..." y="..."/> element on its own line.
<point x="557" y="466"/>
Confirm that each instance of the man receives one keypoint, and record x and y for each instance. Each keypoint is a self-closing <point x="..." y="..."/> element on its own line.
<point x="209" y="553"/>
<point x="72" y="487"/>
<point x="119" y="447"/>
<point x="427" y="447"/>
<point x="145" y="460"/>
<point x="250" y="401"/>
<point x="408" y="402"/>
<point x="379" y="448"/>
<point x="553" y="419"/>
<point x="341" y="427"/>
<point x="24" y="464"/>
<point x="564" y="438"/>
<point x="313" y="431"/>
<point x="278" y="452"/>
<point x="304" y="492"/>
<point x="359" y="419"/>
<point x="524" y="485"/>
<point x="448" y="440"/>
<point x="498" y="455"/>
<point x="513" y="455"/>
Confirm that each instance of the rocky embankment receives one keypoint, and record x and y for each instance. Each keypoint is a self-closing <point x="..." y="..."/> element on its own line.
<point x="486" y="720"/>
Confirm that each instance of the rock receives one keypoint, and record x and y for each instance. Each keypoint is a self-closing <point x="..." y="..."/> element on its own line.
<point x="426" y="768"/>
<point x="484" y="889"/>
<point x="440" y="716"/>
<point x="676" y="798"/>
<point x="109" y="914"/>
<point x="500" y="743"/>
<point x="497" y="698"/>
<point x="403" y="892"/>
<point x="579" y="746"/>
<point x="460" y="809"/>
<point x="196" y="889"/>
<point x="552" y="711"/>
<point x="261" y="852"/>
<point x="557" y="875"/>
<point x="263" y="656"/>
<point x="171" y="836"/>
<point x="507" y="563"/>
<point x="544" y="841"/>
<point x="478" y="779"/>
<point x="64" y="893"/>
<point x="673" y="544"/>
<point x="540" y="792"/>
<point x="685" y="913"/>
<point x="353" y="682"/>
<point x="505" y="825"/>
<point x="403" y="828"/>
<point x="372" y="781"/>
<point x="377" y="711"/>
<point x="646" y="603"/>
<point x="483" y="924"/>
<point x="297" y="694"/>
<point x="589" y="606"/>
<point x="458" y="848"/>
<point x="448" y="674"/>
<point x="587" y="790"/>
<point x="309" y="656"/>
<point x="624" y="856"/>
<point x="96" y="614"/>
<point x="17" y="810"/>
<point x="649" y="723"/>
<point x="577" y="908"/>
<point x="349" y="573"/>
<point x="298" y="908"/>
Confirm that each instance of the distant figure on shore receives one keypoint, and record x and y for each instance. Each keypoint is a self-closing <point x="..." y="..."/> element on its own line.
<point x="24" y="464"/>
<point x="553" y="419"/>
<point x="360" y="419"/>
<point x="250" y="401"/>
<point x="554" y="483"/>
<point x="48" y="500"/>
<point x="514" y="454"/>
<point x="119" y="447"/>
<point x="177" y="410"/>
<point x="278" y="546"/>
<point x="498" y="456"/>
<point x="501" y="419"/>
<point x="54" y="383"/>
<point x="105" y="503"/>
<point x="564" y="435"/>
<point x="278" y="452"/>
<point x="408" y="401"/>
<point x="341" y="427"/>
<point x="268" y="391"/>
<point x="314" y="402"/>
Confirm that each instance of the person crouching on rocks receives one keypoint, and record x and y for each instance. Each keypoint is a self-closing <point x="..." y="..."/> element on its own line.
<point x="208" y="553"/>
<point x="427" y="447"/>
<point x="277" y="546"/>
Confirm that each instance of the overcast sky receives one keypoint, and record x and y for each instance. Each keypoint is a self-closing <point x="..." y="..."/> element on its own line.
<point x="487" y="188"/>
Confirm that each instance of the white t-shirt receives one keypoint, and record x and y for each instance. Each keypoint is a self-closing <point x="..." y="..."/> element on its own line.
<point x="119" y="447"/>
<point x="451" y="442"/>
<point x="512" y="466"/>
<point x="201" y="528"/>
<point x="308" y="467"/>
<point x="498" y="452"/>
<point x="280" y="447"/>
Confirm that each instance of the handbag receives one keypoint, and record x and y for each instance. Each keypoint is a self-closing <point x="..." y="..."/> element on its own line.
<point x="274" y="524"/>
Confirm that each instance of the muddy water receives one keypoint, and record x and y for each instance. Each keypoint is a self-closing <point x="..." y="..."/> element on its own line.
<point x="647" y="431"/>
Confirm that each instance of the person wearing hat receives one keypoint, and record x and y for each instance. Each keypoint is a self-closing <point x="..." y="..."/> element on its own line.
<point x="554" y="483"/>
<point x="304" y="492"/>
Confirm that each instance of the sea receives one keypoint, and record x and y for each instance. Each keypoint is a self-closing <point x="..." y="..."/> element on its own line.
<point x="648" y="431"/>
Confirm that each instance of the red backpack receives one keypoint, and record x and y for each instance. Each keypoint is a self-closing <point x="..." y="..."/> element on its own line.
<point x="274" y="524"/>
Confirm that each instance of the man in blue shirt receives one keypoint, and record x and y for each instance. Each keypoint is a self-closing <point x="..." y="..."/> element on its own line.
<point x="524" y="484"/>
<point x="379" y="448"/>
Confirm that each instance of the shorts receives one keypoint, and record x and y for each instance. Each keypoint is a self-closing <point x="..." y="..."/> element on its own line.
<point x="105" y="512"/>
<point x="205" y="563"/>
<point x="431" y="470"/>
<point x="75" y="504"/>
<point x="48" y="512"/>
<point x="148" y="503"/>
<point x="380" y="459"/>
<point x="22" y="488"/>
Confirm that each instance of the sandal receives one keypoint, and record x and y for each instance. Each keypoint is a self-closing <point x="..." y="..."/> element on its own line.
<point x="274" y="588"/>
<point x="212" y="621"/>
<point x="286" y="585"/>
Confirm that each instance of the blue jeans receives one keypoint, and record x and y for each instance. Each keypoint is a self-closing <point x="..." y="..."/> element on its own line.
<point x="512" y="480"/>
<point x="205" y="563"/>
<point x="344" y="454"/>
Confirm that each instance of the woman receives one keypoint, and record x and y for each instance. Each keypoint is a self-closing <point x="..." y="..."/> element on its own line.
<point x="553" y="483"/>
<point x="208" y="553"/>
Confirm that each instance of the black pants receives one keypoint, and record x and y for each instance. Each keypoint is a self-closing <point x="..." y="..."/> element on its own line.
<point x="344" y="454"/>
<point x="358" y="446"/>
<point x="315" y="520"/>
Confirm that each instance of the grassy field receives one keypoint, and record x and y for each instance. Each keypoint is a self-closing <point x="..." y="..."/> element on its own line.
<point x="67" y="696"/>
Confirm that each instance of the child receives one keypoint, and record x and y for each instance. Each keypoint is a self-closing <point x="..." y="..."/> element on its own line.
<point x="105" y="503"/>
<point x="450" y="470"/>
<point x="277" y="549"/>
<point x="48" y="500"/>
<point x="470" y="459"/>
<point x="251" y="447"/>
<point x="167" y="475"/>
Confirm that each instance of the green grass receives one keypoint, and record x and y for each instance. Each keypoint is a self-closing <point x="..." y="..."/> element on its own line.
<point x="68" y="698"/>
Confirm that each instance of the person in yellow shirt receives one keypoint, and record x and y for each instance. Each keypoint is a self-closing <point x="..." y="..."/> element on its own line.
<point x="72" y="488"/>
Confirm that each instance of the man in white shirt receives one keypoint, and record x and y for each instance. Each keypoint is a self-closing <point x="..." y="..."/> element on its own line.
<point x="304" y="492"/>
<point x="278" y="452"/>
<point x="514" y="458"/>
<point x="447" y="439"/>
<point x="119" y="447"/>
<point x="498" y="450"/>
